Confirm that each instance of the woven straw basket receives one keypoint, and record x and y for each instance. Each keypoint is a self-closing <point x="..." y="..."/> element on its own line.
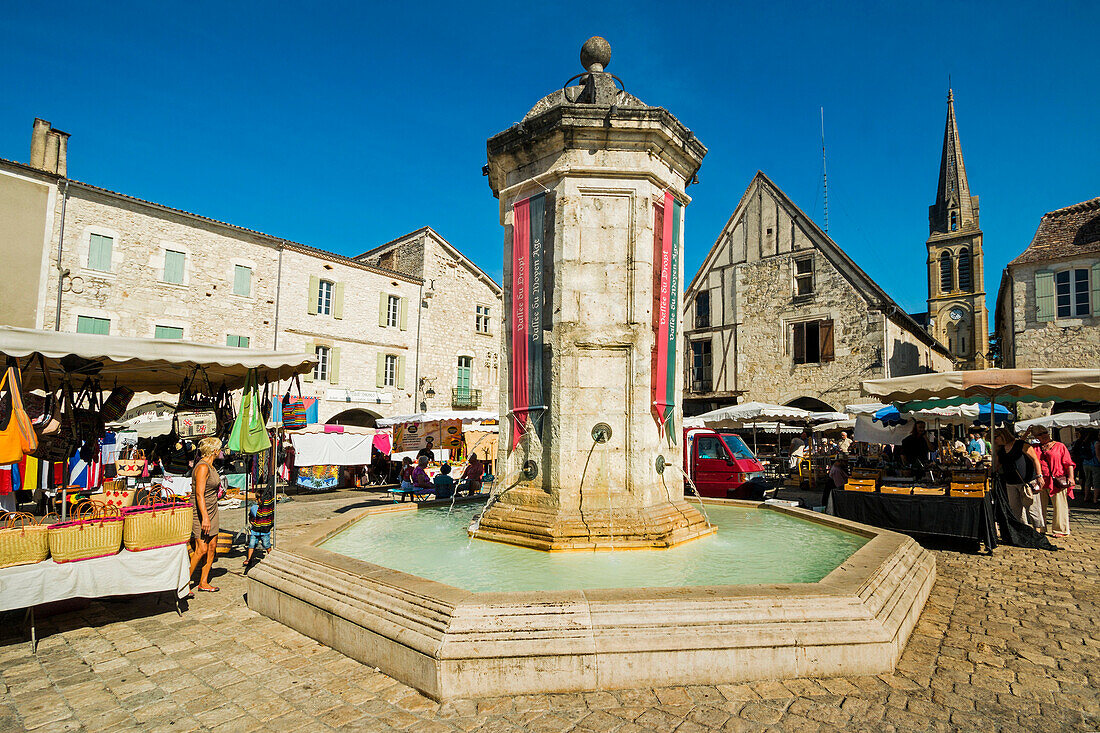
<point x="22" y="542"/>
<point x="149" y="527"/>
<point x="96" y="532"/>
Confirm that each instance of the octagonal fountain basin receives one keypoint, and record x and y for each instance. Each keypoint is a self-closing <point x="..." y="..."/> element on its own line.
<point x="776" y="593"/>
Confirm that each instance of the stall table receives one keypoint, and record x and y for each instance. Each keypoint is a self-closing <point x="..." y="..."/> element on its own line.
<point x="944" y="516"/>
<point x="127" y="573"/>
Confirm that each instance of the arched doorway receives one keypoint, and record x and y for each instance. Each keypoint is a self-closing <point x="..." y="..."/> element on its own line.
<point x="810" y="403"/>
<point x="357" y="417"/>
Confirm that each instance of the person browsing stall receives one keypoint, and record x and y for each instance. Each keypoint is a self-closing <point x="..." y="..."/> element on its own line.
<point x="1020" y="469"/>
<point x="205" y="483"/>
<point x="915" y="447"/>
<point x="1057" y="479"/>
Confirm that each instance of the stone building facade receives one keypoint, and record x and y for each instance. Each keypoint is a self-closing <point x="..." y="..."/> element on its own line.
<point x="460" y="322"/>
<point x="957" y="311"/>
<point x="1048" y="303"/>
<point x="129" y="267"/>
<point x="779" y="313"/>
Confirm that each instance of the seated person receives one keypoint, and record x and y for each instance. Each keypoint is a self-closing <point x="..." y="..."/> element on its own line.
<point x="444" y="482"/>
<point x="470" y="481"/>
<point x="406" y="473"/>
<point x="420" y="479"/>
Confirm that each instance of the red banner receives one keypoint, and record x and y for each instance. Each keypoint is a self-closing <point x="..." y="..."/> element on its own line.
<point x="666" y="287"/>
<point x="520" y="322"/>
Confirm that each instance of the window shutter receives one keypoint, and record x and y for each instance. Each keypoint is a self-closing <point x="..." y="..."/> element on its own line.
<point x="825" y="332"/>
<point x="401" y="372"/>
<point x="1044" y="296"/>
<point x="99" y="252"/>
<point x="800" y="343"/>
<point x="314" y="286"/>
<point x="338" y="300"/>
<point x="334" y="365"/>
<point x="403" y="313"/>
<point x="309" y="349"/>
<point x="1096" y="289"/>
<point x="380" y="381"/>
<point x="242" y="280"/>
<point x="382" y="303"/>
<point x="173" y="266"/>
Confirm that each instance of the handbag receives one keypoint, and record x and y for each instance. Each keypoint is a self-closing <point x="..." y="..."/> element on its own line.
<point x="17" y="436"/>
<point x="116" y="403"/>
<point x="1061" y="482"/>
<point x="196" y="417"/>
<point x="87" y="414"/>
<point x="131" y="463"/>
<point x="294" y="411"/>
<point x="249" y="434"/>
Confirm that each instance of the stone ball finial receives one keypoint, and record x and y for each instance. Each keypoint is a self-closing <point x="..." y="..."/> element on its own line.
<point x="596" y="54"/>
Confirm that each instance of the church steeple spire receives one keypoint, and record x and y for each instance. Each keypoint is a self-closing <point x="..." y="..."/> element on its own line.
<point x="954" y="209"/>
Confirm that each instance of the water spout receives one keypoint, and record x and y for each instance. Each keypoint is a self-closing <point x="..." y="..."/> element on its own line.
<point x="695" y="490"/>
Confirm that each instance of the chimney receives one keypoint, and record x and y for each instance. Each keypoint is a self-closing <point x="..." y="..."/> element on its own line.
<point x="49" y="148"/>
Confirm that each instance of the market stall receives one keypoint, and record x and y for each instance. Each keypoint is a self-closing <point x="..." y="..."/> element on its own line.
<point x="67" y="433"/>
<point x="330" y="456"/>
<point x="898" y="501"/>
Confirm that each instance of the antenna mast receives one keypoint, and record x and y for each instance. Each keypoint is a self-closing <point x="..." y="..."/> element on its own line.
<point x="824" y="171"/>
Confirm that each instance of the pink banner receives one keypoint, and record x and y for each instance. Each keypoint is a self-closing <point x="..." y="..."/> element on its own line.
<point x="662" y="284"/>
<point x="520" y="323"/>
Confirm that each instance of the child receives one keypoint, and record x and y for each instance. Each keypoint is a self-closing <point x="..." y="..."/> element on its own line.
<point x="444" y="483"/>
<point x="261" y="519"/>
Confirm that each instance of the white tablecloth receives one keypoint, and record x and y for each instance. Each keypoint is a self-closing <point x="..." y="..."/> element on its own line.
<point x="148" y="571"/>
<point x="332" y="449"/>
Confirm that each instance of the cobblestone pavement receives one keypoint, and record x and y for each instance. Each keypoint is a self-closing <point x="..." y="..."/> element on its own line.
<point x="1007" y="642"/>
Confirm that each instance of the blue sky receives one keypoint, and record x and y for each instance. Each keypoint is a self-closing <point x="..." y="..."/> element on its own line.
<point x="346" y="125"/>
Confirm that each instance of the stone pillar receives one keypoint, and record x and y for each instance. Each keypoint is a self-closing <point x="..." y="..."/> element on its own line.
<point x="604" y="160"/>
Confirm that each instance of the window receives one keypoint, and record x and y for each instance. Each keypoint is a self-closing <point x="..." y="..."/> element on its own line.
<point x="242" y="280"/>
<point x="701" y="366"/>
<point x="804" y="276"/>
<point x="89" y="324"/>
<point x="954" y="221"/>
<point x="167" y="332"/>
<point x="964" y="270"/>
<point x="702" y="309"/>
<point x="320" y="372"/>
<point x="173" y="266"/>
<point x="465" y="370"/>
<point x="813" y="341"/>
<point x="1071" y="288"/>
<point x="99" y="252"/>
<point x="393" y="306"/>
<point x="389" y="378"/>
<point x="241" y="342"/>
<point x="947" y="276"/>
<point x="481" y="323"/>
<point x="324" y="297"/>
<point x="710" y="448"/>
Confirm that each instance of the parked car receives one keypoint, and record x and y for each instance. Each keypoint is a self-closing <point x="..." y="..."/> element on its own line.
<point x="721" y="465"/>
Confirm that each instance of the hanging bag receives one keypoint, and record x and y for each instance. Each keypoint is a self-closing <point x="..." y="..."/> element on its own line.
<point x="249" y="433"/>
<point x="59" y="444"/>
<point x="116" y="403"/>
<point x="294" y="411"/>
<point x="17" y="437"/>
<point x="131" y="463"/>
<point x="196" y="417"/>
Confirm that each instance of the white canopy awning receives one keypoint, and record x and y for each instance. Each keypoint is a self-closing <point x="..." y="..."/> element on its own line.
<point x="144" y="365"/>
<point x="1061" y="420"/>
<point x="736" y="416"/>
<point x="1005" y="386"/>
<point x="466" y="416"/>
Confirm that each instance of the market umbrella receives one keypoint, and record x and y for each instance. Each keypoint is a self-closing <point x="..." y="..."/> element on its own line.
<point x="749" y="414"/>
<point x="1061" y="420"/>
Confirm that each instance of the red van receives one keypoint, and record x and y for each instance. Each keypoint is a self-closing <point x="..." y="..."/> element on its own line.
<point x="721" y="465"/>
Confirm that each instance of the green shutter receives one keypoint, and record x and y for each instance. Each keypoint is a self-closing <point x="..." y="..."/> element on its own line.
<point x="99" y="252"/>
<point x="381" y="373"/>
<point x="1096" y="289"/>
<point x="309" y="349"/>
<point x="311" y="300"/>
<point x="383" y="301"/>
<point x="338" y="300"/>
<point x="92" y="325"/>
<point x="173" y="266"/>
<point x="1044" y="296"/>
<point x="334" y="365"/>
<point x="242" y="280"/>
<point x="167" y="332"/>
<point x="403" y="313"/>
<point x="401" y="372"/>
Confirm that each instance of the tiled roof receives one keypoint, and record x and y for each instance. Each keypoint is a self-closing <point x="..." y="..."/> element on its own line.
<point x="1065" y="233"/>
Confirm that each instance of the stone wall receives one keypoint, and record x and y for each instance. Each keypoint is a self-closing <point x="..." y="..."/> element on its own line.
<point x="25" y="208"/>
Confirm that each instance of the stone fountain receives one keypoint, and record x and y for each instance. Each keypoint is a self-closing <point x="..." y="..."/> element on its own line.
<point x="592" y="193"/>
<point x="606" y="176"/>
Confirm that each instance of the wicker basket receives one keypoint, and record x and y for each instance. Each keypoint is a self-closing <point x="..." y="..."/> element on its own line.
<point x="160" y="525"/>
<point x="22" y="542"/>
<point x="96" y="532"/>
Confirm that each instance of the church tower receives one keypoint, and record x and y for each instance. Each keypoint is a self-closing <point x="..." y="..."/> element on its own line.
<point x="957" y="313"/>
